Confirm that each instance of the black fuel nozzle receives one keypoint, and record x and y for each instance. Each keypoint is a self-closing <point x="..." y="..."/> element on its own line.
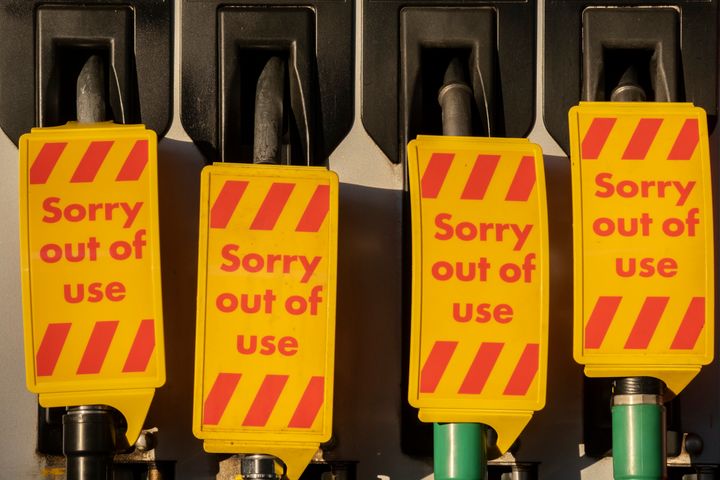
<point x="267" y="138"/>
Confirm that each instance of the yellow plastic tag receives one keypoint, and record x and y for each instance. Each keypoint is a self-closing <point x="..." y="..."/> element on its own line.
<point x="91" y="267"/>
<point x="478" y="350"/>
<point x="642" y="208"/>
<point x="266" y="310"/>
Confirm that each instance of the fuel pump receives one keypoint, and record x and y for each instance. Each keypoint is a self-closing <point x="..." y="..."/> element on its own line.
<point x="86" y="260"/>
<point x="266" y="293"/>
<point x="642" y="324"/>
<point x="476" y="362"/>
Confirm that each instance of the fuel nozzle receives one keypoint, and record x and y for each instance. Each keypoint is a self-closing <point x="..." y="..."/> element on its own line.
<point x="90" y="91"/>
<point x="90" y="432"/>
<point x="628" y="88"/>
<point x="455" y="97"/>
<point x="267" y="142"/>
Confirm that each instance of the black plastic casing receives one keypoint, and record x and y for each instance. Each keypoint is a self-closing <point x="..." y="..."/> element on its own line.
<point x="220" y="39"/>
<point x="44" y="51"/>
<point x="394" y="31"/>
<point x="691" y="68"/>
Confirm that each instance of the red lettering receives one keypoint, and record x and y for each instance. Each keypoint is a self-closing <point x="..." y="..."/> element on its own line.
<point x="72" y="252"/>
<point x="446" y="230"/>
<point x="253" y="263"/>
<point x="503" y="313"/>
<point x="625" y="227"/>
<point x="228" y="253"/>
<point x="482" y="312"/>
<point x="226" y="302"/>
<point x="49" y="207"/>
<point x="463" y="271"/>
<point x="120" y="250"/>
<point x="296" y="305"/>
<point x="268" y="345"/>
<point x="645" y="267"/>
<point x="288" y="346"/>
<point x="248" y="302"/>
<point x="113" y="291"/>
<point x="285" y="346"/>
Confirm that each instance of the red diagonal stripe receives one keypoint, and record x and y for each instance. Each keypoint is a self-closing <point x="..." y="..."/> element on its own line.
<point x="309" y="405"/>
<point x="265" y="400"/>
<point x="142" y="347"/>
<point x="642" y="138"/>
<point x="691" y="325"/>
<point x="91" y="162"/>
<point x="435" y="365"/>
<point x="272" y="206"/>
<point x="435" y="173"/>
<point x="686" y="141"/>
<point x="97" y="347"/>
<point x="480" y="176"/>
<point x="219" y="397"/>
<point x="600" y="320"/>
<point x="481" y="368"/>
<point x="135" y="163"/>
<point x="50" y="348"/>
<point x="525" y="371"/>
<point x="226" y="203"/>
<point x="647" y="322"/>
<point x="45" y="161"/>
<point x="596" y="137"/>
<point x="316" y="210"/>
<point x="523" y="182"/>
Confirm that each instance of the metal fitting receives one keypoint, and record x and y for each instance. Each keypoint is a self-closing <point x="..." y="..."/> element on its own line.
<point x="89" y="442"/>
<point x="637" y="399"/>
<point x="261" y="467"/>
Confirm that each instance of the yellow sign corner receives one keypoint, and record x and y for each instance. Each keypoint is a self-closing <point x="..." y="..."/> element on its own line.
<point x="479" y="224"/>
<point x="266" y="309"/>
<point x="643" y="240"/>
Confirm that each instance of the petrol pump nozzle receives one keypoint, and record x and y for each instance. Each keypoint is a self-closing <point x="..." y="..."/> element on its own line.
<point x="639" y="439"/>
<point x="459" y="449"/>
<point x="628" y="88"/>
<point x="90" y="91"/>
<point x="269" y="113"/>
<point x="266" y="149"/>
<point x="454" y="98"/>
<point x="90" y="431"/>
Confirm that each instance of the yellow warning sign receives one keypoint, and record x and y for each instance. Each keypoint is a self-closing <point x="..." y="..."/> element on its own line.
<point x="480" y="276"/>
<point x="266" y="307"/>
<point x="642" y="206"/>
<point x="91" y="264"/>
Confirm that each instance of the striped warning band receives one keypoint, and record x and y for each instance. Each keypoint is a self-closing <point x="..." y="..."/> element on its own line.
<point x="264" y="402"/>
<point x="478" y="181"/>
<point x="646" y="323"/>
<point x="481" y="368"/>
<point x="272" y="206"/>
<point x="90" y="163"/>
<point x="96" y="349"/>
<point x="642" y="138"/>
